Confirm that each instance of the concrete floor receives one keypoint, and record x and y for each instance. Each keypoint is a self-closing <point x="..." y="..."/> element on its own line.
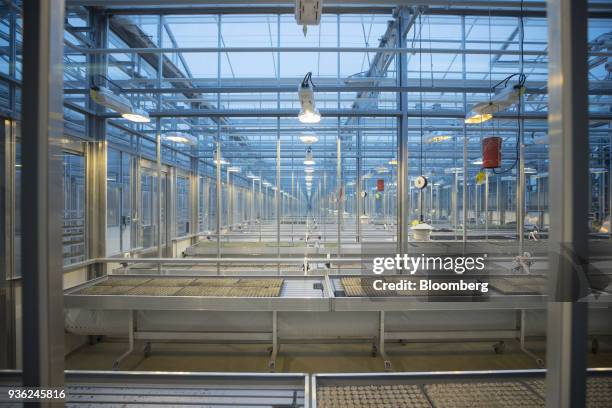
<point x="310" y="358"/>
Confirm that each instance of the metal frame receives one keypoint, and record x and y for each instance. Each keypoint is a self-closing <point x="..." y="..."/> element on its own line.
<point x="42" y="129"/>
<point x="569" y="187"/>
<point x="8" y="338"/>
<point x="215" y="389"/>
<point x="430" y="377"/>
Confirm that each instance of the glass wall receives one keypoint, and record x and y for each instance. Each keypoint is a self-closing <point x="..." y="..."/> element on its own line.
<point x="74" y="232"/>
<point x="119" y="202"/>
<point x="183" y="206"/>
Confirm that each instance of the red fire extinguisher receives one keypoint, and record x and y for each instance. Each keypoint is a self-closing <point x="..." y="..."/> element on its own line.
<point x="491" y="152"/>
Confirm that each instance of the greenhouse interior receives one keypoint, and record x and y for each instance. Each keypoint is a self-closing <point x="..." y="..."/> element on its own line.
<point x="310" y="203"/>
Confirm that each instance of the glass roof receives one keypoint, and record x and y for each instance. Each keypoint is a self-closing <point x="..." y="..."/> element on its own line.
<point x="233" y="78"/>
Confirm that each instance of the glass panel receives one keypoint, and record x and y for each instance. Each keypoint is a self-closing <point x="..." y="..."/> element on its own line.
<point x="119" y="202"/>
<point x="183" y="206"/>
<point x="74" y="209"/>
<point x="148" y="197"/>
<point x="113" y="202"/>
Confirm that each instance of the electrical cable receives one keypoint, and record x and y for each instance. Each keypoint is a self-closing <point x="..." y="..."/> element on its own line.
<point x="421" y="94"/>
<point x="521" y="83"/>
<point x="307" y="80"/>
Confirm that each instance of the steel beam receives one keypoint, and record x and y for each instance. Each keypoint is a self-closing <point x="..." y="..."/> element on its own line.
<point x="42" y="124"/>
<point x="568" y="190"/>
<point x="403" y="198"/>
<point x="211" y="50"/>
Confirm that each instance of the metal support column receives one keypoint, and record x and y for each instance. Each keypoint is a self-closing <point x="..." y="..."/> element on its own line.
<point x="195" y="198"/>
<point x="96" y="152"/>
<point x="339" y="188"/>
<point x="218" y="212"/>
<point x="230" y="198"/>
<point x="41" y="215"/>
<point x="402" y="142"/>
<point x="464" y="196"/>
<point x="159" y="76"/>
<point x="486" y="205"/>
<point x="568" y="189"/>
<point x="358" y="184"/>
<point x="260" y="205"/>
<point x="520" y="193"/>
<point x="278" y="192"/>
<point x="159" y="195"/>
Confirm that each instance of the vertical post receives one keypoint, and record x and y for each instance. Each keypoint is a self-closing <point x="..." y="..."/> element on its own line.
<point x="486" y="205"/>
<point x="520" y="193"/>
<point x="278" y="191"/>
<point x="195" y="199"/>
<point x="218" y="212"/>
<point x="498" y="199"/>
<point x="358" y="184"/>
<point x="260" y="207"/>
<point x="464" y="196"/>
<point x="252" y="199"/>
<point x="290" y="199"/>
<point x="230" y="198"/>
<point x="339" y="192"/>
<point x="42" y="124"/>
<point x="454" y="203"/>
<point x="159" y="76"/>
<point x="402" y="142"/>
<point x="159" y="195"/>
<point x="568" y="189"/>
<point x="96" y="152"/>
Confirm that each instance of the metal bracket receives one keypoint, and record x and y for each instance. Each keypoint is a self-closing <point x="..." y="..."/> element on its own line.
<point x="131" y="325"/>
<point x="381" y="342"/>
<point x="539" y="361"/>
<point x="274" y="351"/>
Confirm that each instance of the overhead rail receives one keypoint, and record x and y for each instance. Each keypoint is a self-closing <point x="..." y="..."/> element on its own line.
<point x="408" y="50"/>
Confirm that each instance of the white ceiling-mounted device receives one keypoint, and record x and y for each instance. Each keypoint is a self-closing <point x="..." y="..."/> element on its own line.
<point x="309" y="112"/>
<point x="481" y="112"/>
<point x="118" y="103"/>
<point x="107" y="98"/>
<point x="308" y="12"/>
<point x="308" y="138"/>
<point x="181" y="137"/>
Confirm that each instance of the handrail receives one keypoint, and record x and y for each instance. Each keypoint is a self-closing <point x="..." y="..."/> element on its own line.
<point x="215" y="260"/>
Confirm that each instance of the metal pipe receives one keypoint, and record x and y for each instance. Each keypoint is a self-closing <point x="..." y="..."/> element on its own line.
<point x="520" y="199"/>
<point x="159" y="197"/>
<point x="278" y="194"/>
<point x="358" y="185"/>
<point x="218" y="212"/>
<point x="260" y="207"/>
<point x="403" y="198"/>
<point x="465" y="140"/>
<point x="407" y="50"/>
<point x="254" y="260"/>
<point x="230" y="198"/>
<point x="41" y="186"/>
<point x="339" y="189"/>
<point x="568" y="104"/>
<point x="486" y="205"/>
<point x="339" y="4"/>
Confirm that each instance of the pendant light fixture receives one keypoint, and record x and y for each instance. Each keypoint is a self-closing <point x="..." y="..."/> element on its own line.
<point x="309" y="160"/>
<point x="309" y="112"/>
